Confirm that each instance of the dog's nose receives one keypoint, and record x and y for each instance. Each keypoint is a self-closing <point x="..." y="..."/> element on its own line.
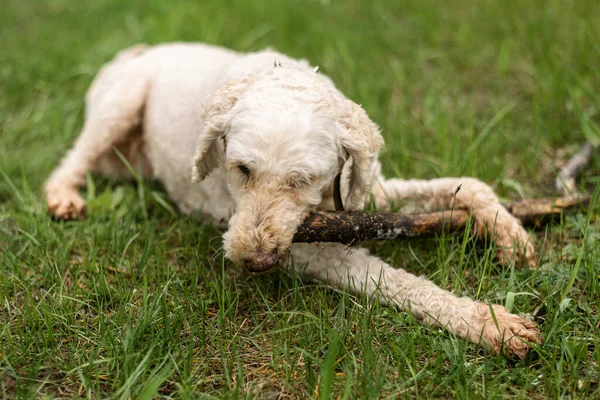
<point x="262" y="262"/>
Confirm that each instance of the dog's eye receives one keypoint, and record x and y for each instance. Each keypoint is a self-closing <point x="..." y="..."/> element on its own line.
<point x="244" y="170"/>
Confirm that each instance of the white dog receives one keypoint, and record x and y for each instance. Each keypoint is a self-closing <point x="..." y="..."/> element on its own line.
<point x="264" y="137"/>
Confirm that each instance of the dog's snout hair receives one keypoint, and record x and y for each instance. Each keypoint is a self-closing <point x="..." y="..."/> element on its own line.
<point x="265" y="221"/>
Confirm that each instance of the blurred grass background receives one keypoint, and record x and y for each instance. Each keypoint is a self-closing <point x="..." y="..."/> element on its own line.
<point x="136" y="302"/>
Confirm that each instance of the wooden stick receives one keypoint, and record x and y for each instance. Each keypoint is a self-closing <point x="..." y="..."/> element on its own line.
<point x="356" y="226"/>
<point x="539" y="211"/>
<point x="565" y="181"/>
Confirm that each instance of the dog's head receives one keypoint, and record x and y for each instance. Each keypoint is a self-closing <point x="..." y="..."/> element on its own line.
<point x="283" y="136"/>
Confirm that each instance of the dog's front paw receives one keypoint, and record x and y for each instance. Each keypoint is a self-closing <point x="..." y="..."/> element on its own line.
<point x="500" y="331"/>
<point x="65" y="204"/>
<point x="512" y="240"/>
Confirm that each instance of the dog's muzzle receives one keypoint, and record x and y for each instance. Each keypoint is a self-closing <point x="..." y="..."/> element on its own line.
<point x="262" y="262"/>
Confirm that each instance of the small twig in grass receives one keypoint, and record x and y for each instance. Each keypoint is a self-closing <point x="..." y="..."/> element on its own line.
<point x="356" y="226"/>
<point x="565" y="181"/>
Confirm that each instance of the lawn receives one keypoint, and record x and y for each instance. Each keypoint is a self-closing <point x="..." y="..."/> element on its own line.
<point x="137" y="301"/>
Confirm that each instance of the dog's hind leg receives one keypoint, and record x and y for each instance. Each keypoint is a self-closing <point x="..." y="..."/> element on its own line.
<point x="114" y="108"/>
<point x="354" y="270"/>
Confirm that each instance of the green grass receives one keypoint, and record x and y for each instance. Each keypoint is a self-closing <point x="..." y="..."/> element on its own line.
<point x="135" y="302"/>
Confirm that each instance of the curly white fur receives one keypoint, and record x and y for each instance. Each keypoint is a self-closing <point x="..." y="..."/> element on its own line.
<point x="264" y="144"/>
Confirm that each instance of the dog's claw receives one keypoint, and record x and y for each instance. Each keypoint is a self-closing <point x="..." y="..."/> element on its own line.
<point x="505" y="332"/>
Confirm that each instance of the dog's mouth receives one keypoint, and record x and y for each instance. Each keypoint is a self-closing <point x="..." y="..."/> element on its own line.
<point x="260" y="235"/>
<point x="262" y="263"/>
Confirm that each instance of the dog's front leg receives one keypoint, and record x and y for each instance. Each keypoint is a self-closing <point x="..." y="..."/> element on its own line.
<point x="114" y="106"/>
<point x="356" y="271"/>
<point x="466" y="193"/>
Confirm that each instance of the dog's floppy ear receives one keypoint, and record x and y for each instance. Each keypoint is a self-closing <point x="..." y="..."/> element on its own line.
<point x="209" y="150"/>
<point x="361" y="140"/>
